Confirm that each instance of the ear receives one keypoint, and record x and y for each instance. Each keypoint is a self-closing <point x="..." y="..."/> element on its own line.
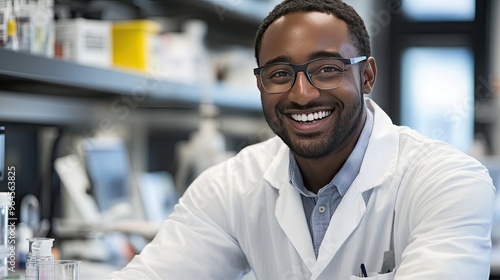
<point x="369" y="74"/>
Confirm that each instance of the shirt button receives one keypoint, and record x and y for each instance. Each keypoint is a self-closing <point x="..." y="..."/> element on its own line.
<point x="321" y="209"/>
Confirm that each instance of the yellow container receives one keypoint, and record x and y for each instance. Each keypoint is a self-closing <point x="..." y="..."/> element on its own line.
<point x="132" y="46"/>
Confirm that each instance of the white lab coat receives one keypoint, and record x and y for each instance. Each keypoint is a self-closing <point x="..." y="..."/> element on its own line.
<point x="244" y="214"/>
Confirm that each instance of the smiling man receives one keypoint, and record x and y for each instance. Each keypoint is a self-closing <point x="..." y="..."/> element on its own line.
<point x="318" y="112"/>
<point x="339" y="188"/>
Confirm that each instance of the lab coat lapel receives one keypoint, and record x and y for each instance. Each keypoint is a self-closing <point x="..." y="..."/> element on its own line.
<point x="289" y="210"/>
<point x="344" y="221"/>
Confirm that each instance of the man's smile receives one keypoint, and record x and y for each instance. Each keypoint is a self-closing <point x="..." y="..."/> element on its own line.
<point x="310" y="117"/>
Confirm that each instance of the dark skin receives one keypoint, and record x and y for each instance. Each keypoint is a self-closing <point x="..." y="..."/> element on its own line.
<point x="320" y="147"/>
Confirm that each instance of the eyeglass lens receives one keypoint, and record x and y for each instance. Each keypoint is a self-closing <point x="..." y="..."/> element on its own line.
<point x="323" y="74"/>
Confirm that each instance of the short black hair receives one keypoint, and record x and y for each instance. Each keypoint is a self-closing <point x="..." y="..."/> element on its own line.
<point x="355" y="24"/>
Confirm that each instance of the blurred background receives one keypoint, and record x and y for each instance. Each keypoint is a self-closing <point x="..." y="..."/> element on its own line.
<point x="109" y="108"/>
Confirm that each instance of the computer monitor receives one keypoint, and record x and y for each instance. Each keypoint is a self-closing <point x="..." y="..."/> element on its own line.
<point x="158" y="195"/>
<point x="107" y="164"/>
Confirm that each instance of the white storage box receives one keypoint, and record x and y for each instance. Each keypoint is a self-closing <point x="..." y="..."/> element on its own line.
<point x="84" y="41"/>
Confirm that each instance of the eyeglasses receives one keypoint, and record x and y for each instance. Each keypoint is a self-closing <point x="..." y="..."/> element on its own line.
<point x="323" y="73"/>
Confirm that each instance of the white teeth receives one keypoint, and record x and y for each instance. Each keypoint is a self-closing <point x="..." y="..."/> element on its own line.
<point x="311" y="116"/>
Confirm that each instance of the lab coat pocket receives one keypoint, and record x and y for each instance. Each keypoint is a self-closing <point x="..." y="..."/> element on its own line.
<point x="376" y="276"/>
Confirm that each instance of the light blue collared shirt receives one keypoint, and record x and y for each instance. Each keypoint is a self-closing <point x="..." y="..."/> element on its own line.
<point x="320" y="207"/>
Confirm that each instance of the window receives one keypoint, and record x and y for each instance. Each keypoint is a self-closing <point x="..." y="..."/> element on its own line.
<point x="441" y="42"/>
<point x="439" y="10"/>
<point x="437" y="93"/>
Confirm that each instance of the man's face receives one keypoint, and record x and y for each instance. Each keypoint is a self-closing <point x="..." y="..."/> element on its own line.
<point x="298" y="38"/>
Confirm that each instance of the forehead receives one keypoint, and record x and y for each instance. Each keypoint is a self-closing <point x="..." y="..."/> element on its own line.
<point x="297" y="36"/>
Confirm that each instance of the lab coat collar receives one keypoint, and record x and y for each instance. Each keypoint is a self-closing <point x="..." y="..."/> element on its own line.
<point x="381" y="154"/>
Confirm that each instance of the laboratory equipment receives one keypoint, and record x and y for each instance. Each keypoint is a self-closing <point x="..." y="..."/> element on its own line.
<point x="40" y="252"/>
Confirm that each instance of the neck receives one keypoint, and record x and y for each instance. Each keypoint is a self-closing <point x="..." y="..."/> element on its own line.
<point x="316" y="173"/>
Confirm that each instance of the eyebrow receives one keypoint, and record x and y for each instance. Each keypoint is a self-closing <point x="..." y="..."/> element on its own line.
<point x="315" y="55"/>
<point x="278" y="59"/>
<point x="325" y="54"/>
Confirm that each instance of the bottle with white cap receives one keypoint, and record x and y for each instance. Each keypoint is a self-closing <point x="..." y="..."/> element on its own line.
<point x="31" y="272"/>
<point x="40" y="253"/>
<point x="45" y="259"/>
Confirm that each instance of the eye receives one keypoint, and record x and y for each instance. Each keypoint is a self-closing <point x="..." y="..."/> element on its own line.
<point x="277" y="72"/>
<point x="280" y="74"/>
<point x="328" y="69"/>
<point x="280" y="77"/>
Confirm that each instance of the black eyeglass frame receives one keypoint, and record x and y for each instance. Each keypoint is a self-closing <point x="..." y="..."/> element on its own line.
<point x="303" y="68"/>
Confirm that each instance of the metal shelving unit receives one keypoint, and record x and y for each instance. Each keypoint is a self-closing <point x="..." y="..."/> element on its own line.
<point x="47" y="104"/>
<point x="52" y="83"/>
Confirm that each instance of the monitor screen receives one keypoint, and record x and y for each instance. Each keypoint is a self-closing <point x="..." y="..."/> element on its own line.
<point x="108" y="169"/>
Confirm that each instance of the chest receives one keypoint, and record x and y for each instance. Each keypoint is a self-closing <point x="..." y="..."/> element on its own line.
<point x="275" y="238"/>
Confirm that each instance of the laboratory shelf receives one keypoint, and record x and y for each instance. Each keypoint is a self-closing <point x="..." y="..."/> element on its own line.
<point x="229" y="21"/>
<point x="26" y="73"/>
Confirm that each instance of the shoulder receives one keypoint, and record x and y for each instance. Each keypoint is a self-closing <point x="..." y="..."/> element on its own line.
<point x="427" y="167"/>
<point x="417" y="148"/>
<point x="237" y="183"/>
<point x="246" y="167"/>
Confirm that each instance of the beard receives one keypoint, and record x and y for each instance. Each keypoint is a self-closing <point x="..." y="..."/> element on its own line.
<point x="319" y="145"/>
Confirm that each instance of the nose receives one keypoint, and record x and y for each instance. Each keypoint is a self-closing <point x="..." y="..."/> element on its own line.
<point x="302" y="91"/>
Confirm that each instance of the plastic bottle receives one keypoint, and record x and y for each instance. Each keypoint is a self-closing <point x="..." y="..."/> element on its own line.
<point x="11" y="41"/>
<point x="43" y="39"/>
<point x="45" y="259"/>
<point x="24" y="10"/>
<point x="3" y="22"/>
<point x="31" y="272"/>
<point x="40" y="252"/>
